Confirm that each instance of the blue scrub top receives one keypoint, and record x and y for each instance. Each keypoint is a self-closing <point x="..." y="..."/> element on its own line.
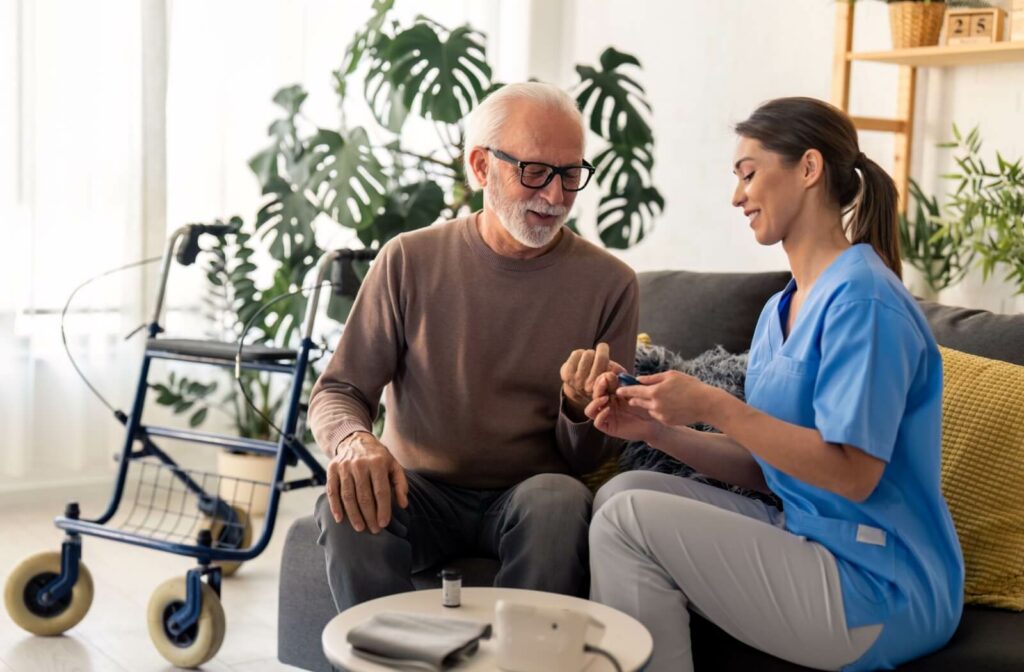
<point x="861" y="367"/>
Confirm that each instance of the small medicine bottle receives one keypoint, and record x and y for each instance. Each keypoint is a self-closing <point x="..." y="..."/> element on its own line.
<point x="451" y="587"/>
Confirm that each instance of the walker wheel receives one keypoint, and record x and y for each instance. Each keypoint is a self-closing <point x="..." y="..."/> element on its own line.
<point x="219" y="530"/>
<point x="24" y="588"/>
<point x="199" y="643"/>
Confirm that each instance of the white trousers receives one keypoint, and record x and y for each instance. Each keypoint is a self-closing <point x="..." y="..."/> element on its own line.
<point x="661" y="545"/>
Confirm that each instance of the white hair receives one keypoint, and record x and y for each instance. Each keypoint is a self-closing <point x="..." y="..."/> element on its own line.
<point x="484" y="124"/>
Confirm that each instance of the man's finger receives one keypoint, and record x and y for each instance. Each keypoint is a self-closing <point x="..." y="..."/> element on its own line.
<point x="568" y="371"/>
<point x="365" y="498"/>
<point x="583" y="370"/>
<point x="348" y="499"/>
<point x="381" y="481"/>
<point x="616" y="367"/>
<point x="652" y="379"/>
<point x="400" y="483"/>
<point x="600" y="365"/>
<point x="333" y="490"/>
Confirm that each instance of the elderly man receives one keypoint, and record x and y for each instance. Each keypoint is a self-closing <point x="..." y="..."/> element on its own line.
<point x="470" y="324"/>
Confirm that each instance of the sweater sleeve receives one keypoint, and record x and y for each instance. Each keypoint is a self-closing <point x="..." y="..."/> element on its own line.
<point x="346" y="397"/>
<point x="582" y="445"/>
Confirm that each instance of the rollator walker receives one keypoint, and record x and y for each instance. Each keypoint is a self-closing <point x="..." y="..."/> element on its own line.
<point x="171" y="509"/>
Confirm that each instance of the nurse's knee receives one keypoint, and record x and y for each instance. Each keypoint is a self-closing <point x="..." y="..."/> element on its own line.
<point x="630" y="480"/>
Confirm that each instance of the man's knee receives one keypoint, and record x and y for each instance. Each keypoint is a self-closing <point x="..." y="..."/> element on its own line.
<point x="346" y="546"/>
<point x="552" y="495"/>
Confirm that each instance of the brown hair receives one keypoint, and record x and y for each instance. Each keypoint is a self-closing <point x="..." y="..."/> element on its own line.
<point x="791" y="126"/>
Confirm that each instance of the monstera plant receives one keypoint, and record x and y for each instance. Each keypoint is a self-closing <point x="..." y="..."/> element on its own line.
<point x="371" y="181"/>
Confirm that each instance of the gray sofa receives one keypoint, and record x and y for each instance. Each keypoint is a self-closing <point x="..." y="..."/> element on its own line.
<point x="690" y="313"/>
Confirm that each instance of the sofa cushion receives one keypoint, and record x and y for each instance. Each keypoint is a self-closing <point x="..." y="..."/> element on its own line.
<point x="977" y="332"/>
<point x="689" y="312"/>
<point x="983" y="473"/>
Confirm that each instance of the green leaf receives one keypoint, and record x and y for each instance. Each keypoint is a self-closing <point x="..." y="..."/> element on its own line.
<point x="349" y="180"/>
<point x="613" y="100"/>
<point x="198" y="417"/>
<point x="290" y="98"/>
<point x="434" y="73"/>
<point x="623" y="219"/>
<point x="264" y="164"/>
<point x="409" y="208"/>
<point x="285" y="216"/>
<point x="167" y="398"/>
<point x="362" y="41"/>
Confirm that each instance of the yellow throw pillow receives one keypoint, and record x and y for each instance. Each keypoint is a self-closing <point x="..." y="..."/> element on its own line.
<point x="983" y="473"/>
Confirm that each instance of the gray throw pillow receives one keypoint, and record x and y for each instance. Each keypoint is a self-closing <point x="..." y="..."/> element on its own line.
<point x="716" y="367"/>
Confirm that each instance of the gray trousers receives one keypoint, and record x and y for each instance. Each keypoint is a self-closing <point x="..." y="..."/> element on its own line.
<point x="536" y="529"/>
<point x="662" y="545"/>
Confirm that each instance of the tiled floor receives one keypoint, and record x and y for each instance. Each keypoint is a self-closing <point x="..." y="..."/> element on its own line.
<point x="113" y="637"/>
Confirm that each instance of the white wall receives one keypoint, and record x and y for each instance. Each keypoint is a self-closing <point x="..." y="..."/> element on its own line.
<point x="707" y="65"/>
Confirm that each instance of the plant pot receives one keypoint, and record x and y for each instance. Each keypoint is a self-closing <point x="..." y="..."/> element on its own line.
<point x="916" y="24"/>
<point x="245" y="480"/>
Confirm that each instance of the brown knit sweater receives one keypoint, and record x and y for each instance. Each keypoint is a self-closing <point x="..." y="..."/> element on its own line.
<point x="471" y="343"/>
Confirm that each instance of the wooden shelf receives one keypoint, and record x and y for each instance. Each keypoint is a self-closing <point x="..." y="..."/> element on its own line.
<point x="962" y="54"/>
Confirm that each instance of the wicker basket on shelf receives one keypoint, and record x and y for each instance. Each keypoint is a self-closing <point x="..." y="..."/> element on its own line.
<point x="915" y="24"/>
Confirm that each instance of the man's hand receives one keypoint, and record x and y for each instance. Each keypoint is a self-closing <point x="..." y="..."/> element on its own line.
<point x="615" y="417"/>
<point x="581" y="371"/>
<point x="360" y="478"/>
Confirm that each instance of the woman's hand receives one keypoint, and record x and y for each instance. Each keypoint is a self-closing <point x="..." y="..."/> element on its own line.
<point x="671" y="398"/>
<point x="613" y="416"/>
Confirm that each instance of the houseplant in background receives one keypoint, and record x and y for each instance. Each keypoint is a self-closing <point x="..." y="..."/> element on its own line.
<point x="986" y="211"/>
<point x="376" y="182"/>
<point x="934" y="259"/>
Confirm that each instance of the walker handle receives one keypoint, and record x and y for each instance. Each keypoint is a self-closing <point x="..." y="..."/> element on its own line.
<point x="188" y="250"/>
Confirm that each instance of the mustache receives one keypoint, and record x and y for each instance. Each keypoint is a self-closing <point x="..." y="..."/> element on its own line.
<point x="540" y="206"/>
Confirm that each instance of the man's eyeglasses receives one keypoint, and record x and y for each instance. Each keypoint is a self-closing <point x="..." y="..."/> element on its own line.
<point x="537" y="175"/>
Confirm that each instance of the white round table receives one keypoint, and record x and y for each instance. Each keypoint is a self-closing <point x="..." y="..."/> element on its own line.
<point x="624" y="637"/>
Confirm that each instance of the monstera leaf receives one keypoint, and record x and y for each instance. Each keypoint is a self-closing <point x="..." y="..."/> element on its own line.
<point x="625" y="217"/>
<point x="286" y="219"/>
<point x="622" y="123"/>
<point x="362" y="42"/>
<point x="287" y="145"/>
<point x="617" y="164"/>
<point x="430" y="71"/>
<point x="615" y="105"/>
<point x="348" y="180"/>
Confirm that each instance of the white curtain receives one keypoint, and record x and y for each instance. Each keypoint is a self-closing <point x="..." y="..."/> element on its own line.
<point x="71" y="205"/>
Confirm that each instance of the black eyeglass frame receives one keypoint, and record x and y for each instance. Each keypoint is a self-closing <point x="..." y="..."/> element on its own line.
<point x="560" y="171"/>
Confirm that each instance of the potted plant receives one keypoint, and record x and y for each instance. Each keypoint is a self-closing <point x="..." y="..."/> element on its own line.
<point x="986" y="211"/>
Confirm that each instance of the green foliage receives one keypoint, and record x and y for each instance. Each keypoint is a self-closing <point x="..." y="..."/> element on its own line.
<point x="928" y="247"/>
<point x="986" y="211"/>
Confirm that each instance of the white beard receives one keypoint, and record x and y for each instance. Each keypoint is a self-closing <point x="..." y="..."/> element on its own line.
<point x="512" y="215"/>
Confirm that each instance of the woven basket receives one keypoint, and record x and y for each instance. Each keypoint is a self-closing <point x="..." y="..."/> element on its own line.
<point x="915" y="24"/>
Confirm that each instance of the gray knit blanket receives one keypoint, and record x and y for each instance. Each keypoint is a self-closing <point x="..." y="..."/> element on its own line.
<point x="715" y="367"/>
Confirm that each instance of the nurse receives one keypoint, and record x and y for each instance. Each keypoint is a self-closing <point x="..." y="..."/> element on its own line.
<point x="861" y="569"/>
